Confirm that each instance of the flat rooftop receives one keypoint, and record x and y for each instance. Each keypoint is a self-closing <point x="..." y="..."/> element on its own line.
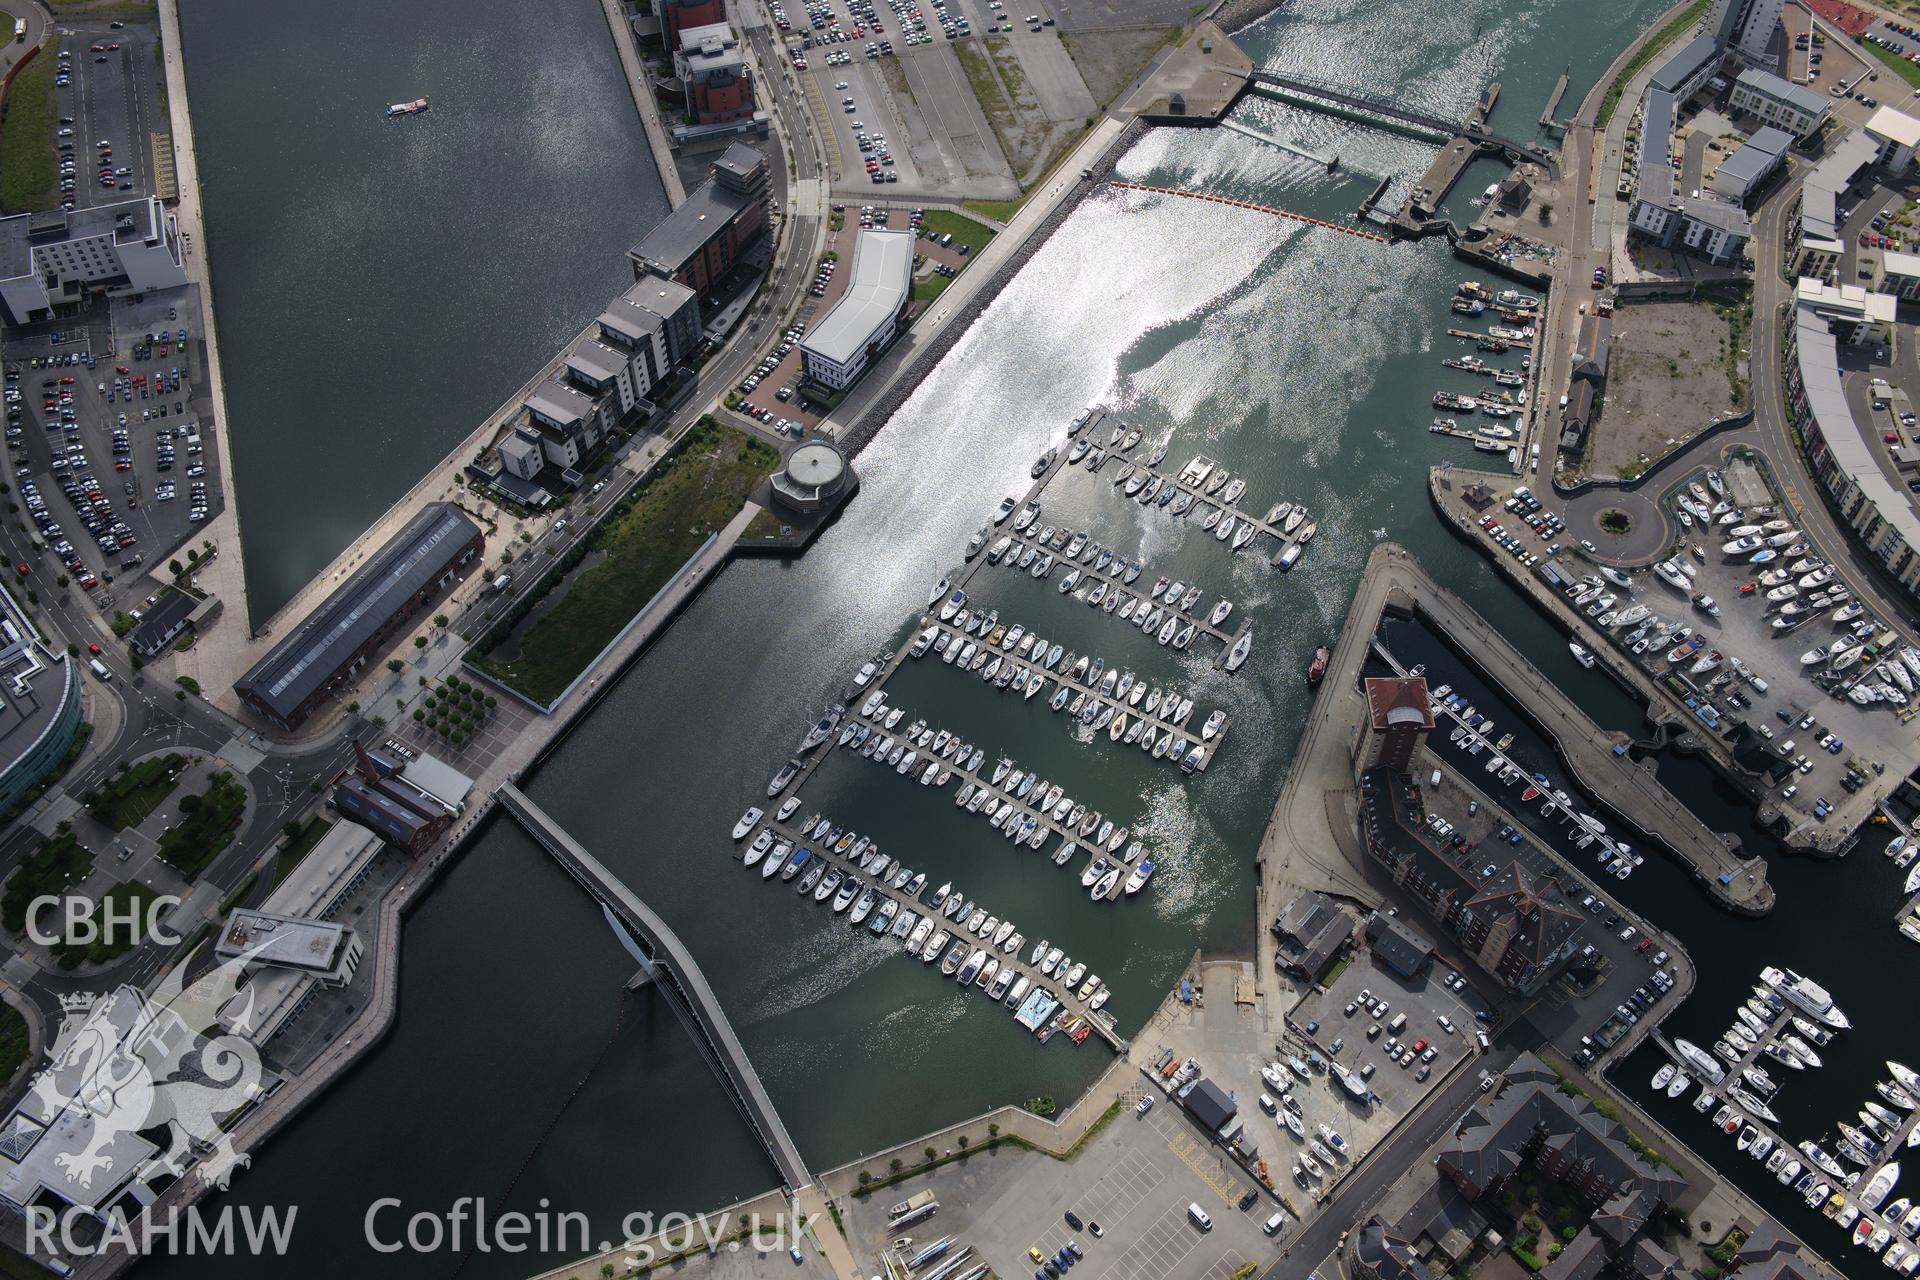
<point x="280" y="941"/>
<point x="878" y="285"/>
<point x="129" y="220"/>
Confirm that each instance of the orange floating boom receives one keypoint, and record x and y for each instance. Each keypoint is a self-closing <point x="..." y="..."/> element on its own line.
<point x="1245" y="204"/>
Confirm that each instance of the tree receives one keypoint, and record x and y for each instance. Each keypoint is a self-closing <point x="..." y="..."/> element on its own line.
<point x="865" y="1177"/>
<point x="930" y="1154"/>
<point x="606" y="1269"/>
<point x="993" y="1130"/>
<point x="962" y="1141"/>
<point x="419" y="642"/>
<point x="353" y="708"/>
<point x="395" y="665"/>
<point x="894" y="1165"/>
<point x="175" y="567"/>
<point x="440" y="620"/>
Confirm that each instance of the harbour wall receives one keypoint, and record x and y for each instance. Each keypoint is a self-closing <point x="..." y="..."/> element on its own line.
<point x="868" y="424"/>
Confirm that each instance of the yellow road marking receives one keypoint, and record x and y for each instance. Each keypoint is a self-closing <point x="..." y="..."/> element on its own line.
<point x="1200" y="1158"/>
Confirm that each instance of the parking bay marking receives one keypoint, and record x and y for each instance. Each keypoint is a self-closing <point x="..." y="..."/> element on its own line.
<point x="1200" y="1158"/>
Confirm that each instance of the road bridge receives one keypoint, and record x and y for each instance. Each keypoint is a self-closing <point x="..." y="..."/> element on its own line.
<point x="1385" y="109"/>
<point x="666" y="960"/>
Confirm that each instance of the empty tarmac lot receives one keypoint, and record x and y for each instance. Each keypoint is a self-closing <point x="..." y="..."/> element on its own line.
<point x="1135" y="1180"/>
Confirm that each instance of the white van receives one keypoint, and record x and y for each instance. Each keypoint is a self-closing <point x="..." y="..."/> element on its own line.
<point x="1199" y="1217"/>
<point x="1398" y="1024"/>
<point x="100" y="672"/>
<point x="1268" y="1105"/>
<point x="1275" y="1225"/>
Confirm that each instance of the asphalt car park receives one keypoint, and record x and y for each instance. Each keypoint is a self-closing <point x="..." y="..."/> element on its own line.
<point x="110" y="451"/>
<point x="1759" y="677"/>
<point x="936" y="133"/>
<point x="103" y="94"/>
<point x="1134" y="1183"/>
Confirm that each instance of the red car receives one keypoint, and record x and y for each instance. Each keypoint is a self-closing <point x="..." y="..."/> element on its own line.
<point x="21" y="569"/>
<point x="93" y="648"/>
<point x="67" y="381"/>
<point x="1420" y="1045"/>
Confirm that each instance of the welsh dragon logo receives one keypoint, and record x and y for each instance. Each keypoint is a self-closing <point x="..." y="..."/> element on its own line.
<point x="129" y="1063"/>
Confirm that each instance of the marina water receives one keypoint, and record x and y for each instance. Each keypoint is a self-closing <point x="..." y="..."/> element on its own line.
<point x="383" y="285"/>
<point x="1301" y="360"/>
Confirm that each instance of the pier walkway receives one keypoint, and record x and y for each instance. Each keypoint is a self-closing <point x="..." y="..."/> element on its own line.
<point x="957" y="639"/>
<point x="1071" y="1006"/>
<point x="684" y="984"/>
<point x="1387" y="109"/>
<point x="1117" y="588"/>
<point x="1744" y="1114"/>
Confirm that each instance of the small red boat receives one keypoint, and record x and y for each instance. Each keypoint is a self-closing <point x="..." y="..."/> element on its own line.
<point x="1531" y="793"/>
<point x="1318" y="667"/>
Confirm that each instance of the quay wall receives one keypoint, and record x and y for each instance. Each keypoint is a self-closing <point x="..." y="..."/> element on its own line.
<point x="1625" y="787"/>
<point x="1661" y="713"/>
<point x="1660" y="467"/>
<point x="862" y="431"/>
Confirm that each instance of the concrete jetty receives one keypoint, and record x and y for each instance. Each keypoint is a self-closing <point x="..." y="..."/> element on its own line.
<point x="1547" y="118"/>
<point x="672" y="961"/>
<point x="1070" y="1004"/>
<point x="1311" y="841"/>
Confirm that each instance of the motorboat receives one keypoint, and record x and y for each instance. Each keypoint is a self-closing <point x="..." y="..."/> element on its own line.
<point x="747" y="822"/>
<point x="1809" y="995"/>
<point x="1709" y="1067"/>
<point x="779" y="782"/>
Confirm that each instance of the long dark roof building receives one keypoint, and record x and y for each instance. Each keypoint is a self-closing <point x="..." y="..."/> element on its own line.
<point x="416" y="567"/>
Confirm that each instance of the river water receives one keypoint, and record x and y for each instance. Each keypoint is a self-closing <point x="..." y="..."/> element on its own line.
<point x="382" y="285"/>
<point x="1302" y="360"/>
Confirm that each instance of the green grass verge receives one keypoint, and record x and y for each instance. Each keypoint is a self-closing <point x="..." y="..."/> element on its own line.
<point x="986" y="90"/>
<point x="136" y="792"/>
<point x="56" y="866"/>
<point x="1898" y="65"/>
<point x="127" y="900"/>
<point x="763" y="526"/>
<point x="963" y="229"/>
<point x="1000" y="211"/>
<point x="207" y="826"/>
<point x="644" y="544"/>
<point x="929" y="286"/>
<point x="26" y="126"/>
<point x="1648" y="52"/>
